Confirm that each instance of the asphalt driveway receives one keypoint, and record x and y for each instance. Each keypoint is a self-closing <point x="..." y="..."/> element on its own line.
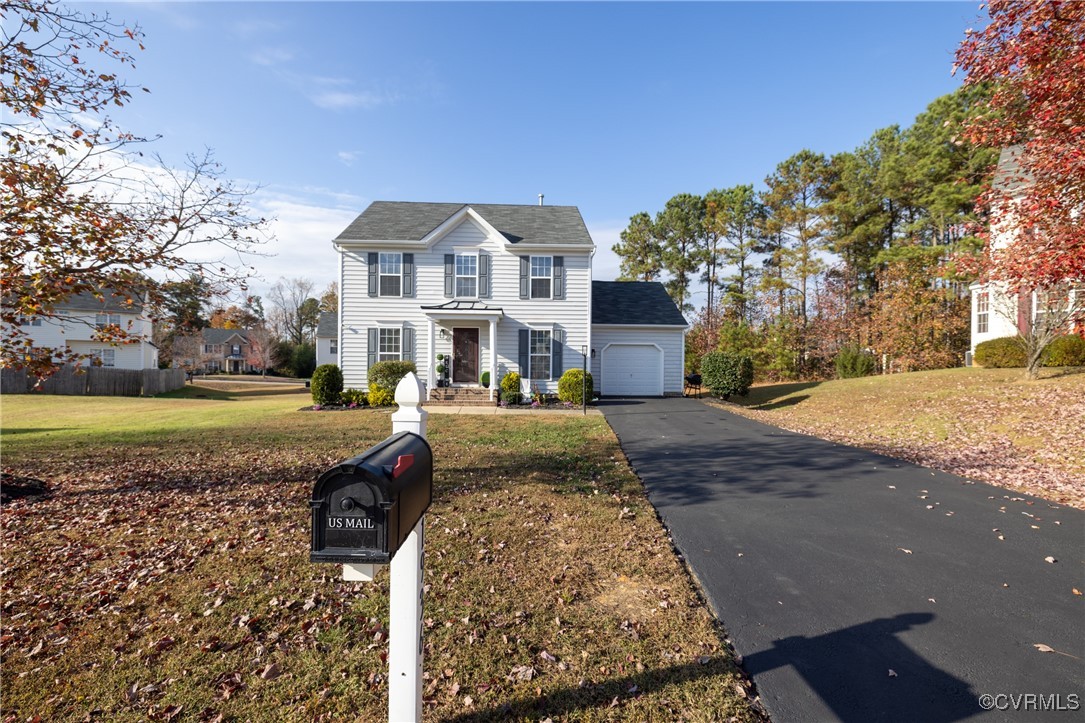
<point x="862" y="588"/>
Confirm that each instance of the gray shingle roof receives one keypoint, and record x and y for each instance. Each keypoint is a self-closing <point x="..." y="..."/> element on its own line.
<point x="633" y="302"/>
<point x="410" y="221"/>
<point x="328" y="328"/>
<point x="86" y="301"/>
<point x="220" y="336"/>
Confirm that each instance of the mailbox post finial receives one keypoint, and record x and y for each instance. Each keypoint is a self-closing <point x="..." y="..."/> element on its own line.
<point x="410" y="417"/>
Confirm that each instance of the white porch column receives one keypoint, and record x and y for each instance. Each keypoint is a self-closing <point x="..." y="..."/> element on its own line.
<point x="431" y="373"/>
<point x="493" y="357"/>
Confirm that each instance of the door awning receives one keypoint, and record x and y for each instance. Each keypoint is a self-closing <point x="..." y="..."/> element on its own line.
<point x="457" y="309"/>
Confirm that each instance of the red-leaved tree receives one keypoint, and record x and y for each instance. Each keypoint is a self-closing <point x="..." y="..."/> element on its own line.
<point x="1033" y="56"/>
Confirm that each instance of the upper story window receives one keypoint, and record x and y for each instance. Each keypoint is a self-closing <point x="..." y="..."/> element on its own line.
<point x="235" y="350"/>
<point x="983" y="306"/>
<point x="542" y="272"/>
<point x="390" y="345"/>
<point x="101" y="321"/>
<point x="212" y="348"/>
<point x="391" y="274"/>
<point x="29" y="321"/>
<point x="467" y="276"/>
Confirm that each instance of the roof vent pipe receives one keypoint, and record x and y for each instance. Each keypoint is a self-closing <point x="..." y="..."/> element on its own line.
<point x="540" y="199"/>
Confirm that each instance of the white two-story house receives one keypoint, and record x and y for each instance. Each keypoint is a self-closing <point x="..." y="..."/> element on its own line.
<point x="494" y="289"/>
<point x="78" y="321"/>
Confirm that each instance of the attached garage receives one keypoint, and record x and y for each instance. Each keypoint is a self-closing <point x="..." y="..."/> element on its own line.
<point x="638" y="340"/>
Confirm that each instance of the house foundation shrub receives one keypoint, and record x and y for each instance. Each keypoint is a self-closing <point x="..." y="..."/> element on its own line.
<point x="383" y="378"/>
<point x="1005" y="352"/>
<point x="510" y="388"/>
<point x="356" y="397"/>
<point x="327" y="384"/>
<point x="1064" y="351"/>
<point x="852" y="362"/>
<point x="726" y="374"/>
<point x="571" y="386"/>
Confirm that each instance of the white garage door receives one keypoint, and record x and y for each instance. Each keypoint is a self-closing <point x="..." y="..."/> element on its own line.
<point x="632" y="370"/>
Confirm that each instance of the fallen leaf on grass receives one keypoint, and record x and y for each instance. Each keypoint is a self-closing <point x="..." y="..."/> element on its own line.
<point x="271" y="672"/>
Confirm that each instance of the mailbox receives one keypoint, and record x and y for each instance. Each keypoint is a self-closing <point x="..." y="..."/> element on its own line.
<point x="364" y="507"/>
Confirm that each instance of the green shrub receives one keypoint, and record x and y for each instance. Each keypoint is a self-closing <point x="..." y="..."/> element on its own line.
<point x="572" y="385"/>
<point x="354" y="396"/>
<point x="303" y="360"/>
<point x="383" y="378"/>
<point x="1007" y="351"/>
<point x="726" y="374"/>
<point x="327" y="384"/>
<point x="1064" y="351"/>
<point x="485" y="379"/>
<point x="510" y="388"/>
<point x="852" y="362"/>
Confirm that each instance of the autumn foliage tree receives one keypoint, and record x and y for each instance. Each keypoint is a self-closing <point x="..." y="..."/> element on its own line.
<point x="81" y="209"/>
<point x="1033" y="55"/>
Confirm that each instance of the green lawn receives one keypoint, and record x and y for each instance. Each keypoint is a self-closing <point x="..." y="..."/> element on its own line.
<point x="986" y="424"/>
<point x="167" y="577"/>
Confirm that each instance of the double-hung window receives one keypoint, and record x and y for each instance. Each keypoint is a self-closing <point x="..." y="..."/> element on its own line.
<point x="334" y="346"/>
<point x="467" y="276"/>
<point x="391" y="274"/>
<point x="983" y="307"/>
<point x="390" y="344"/>
<point x="539" y="349"/>
<point x="107" y="356"/>
<point x="29" y="321"/>
<point x="542" y="271"/>
<point x="101" y="321"/>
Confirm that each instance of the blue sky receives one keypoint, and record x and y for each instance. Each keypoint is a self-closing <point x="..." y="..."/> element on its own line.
<point x="611" y="107"/>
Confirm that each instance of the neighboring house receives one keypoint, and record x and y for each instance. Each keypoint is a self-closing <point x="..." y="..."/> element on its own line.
<point x="996" y="314"/>
<point x="225" y="350"/>
<point x="494" y="288"/>
<point x="82" y="315"/>
<point x="327" y="338"/>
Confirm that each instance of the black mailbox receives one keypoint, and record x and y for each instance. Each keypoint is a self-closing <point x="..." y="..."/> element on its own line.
<point x="364" y="507"/>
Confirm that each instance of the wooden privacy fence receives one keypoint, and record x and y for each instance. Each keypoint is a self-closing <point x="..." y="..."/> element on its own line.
<point x="96" y="381"/>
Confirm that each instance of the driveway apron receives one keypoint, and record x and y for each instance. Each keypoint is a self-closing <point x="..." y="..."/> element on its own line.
<point x="863" y="588"/>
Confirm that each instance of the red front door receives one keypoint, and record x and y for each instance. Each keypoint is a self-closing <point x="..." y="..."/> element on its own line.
<point x="465" y="356"/>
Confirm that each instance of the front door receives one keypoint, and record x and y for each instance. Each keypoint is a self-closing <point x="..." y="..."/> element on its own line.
<point x="465" y="356"/>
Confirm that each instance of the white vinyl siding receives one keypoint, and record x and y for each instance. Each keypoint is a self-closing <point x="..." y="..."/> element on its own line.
<point x="670" y="341"/>
<point x="77" y="329"/>
<point x="361" y="312"/>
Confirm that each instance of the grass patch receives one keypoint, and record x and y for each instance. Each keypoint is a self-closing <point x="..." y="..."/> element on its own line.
<point x="986" y="424"/>
<point x="169" y="572"/>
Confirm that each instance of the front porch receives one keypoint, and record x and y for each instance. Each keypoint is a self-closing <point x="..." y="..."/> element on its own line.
<point x="465" y="334"/>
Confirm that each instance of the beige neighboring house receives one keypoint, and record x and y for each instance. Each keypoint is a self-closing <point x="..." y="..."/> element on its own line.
<point x="82" y="316"/>
<point x="327" y="339"/>
<point x="225" y="350"/>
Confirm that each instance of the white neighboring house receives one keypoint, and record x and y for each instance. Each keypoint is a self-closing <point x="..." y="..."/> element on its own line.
<point x="327" y="338"/>
<point x="494" y="288"/>
<point x="996" y="314"/>
<point x="82" y="315"/>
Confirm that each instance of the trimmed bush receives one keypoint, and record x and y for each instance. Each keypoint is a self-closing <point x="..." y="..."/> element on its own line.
<point x="1064" y="351"/>
<point x="726" y="374"/>
<point x="485" y="379"/>
<point x="572" y="385"/>
<point x="852" y="362"/>
<point x="510" y="388"/>
<point x="1006" y="352"/>
<point x="327" y="384"/>
<point x="383" y="378"/>
<point x="354" y="396"/>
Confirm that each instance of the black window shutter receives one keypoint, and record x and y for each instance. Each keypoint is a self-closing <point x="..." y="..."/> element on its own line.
<point x="559" y="277"/>
<point x="408" y="275"/>
<point x="525" y="277"/>
<point x="557" y="344"/>
<point x="371" y="351"/>
<point x="374" y="267"/>
<point x="525" y="367"/>
<point x="408" y="344"/>
<point x="450" y="270"/>
<point x="484" y="276"/>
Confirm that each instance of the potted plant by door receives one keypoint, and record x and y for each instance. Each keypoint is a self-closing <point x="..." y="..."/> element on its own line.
<point x="441" y="368"/>
<point x="485" y="379"/>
